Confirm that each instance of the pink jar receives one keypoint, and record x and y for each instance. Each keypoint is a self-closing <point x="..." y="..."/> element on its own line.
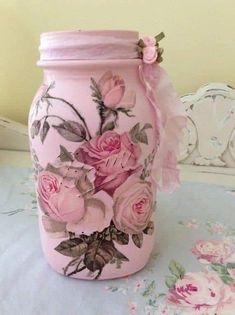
<point x="101" y="142"/>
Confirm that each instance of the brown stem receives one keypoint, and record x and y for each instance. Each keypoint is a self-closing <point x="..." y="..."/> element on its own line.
<point x="73" y="108"/>
<point x="70" y="264"/>
<point x="49" y="116"/>
<point x="102" y="118"/>
<point x="76" y="271"/>
<point x="98" y="274"/>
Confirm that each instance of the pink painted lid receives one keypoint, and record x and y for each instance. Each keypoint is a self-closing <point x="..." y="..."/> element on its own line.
<point x="89" y="45"/>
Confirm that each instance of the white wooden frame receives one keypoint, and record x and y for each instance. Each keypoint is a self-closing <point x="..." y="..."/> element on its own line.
<point x="208" y="149"/>
<point x="13" y="135"/>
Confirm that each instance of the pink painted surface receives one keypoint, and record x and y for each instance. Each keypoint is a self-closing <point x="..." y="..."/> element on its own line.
<point x="94" y="135"/>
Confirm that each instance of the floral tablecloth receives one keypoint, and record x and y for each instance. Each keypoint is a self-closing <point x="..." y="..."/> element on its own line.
<point x="191" y="271"/>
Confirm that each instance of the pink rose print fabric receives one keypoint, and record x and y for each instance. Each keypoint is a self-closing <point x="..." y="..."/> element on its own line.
<point x="214" y="251"/>
<point x="201" y="292"/>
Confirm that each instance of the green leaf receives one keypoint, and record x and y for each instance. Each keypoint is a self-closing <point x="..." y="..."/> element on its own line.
<point x="138" y="239"/>
<point x="221" y="269"/>
<point x="147" y="126"/>
<point x="35" y="128"/>
<point x="98" y="254"/>
<point x="149" y="229"/>
<point x="159" y="37"/>
<point x="73" y="247"/>
<point x="142" y="137"/>
<point x="109" y="126"/>
<point x="44" y="131"/>
<point x="71" y="131"/>
<point x="65" y="155"/>
<point x="52" y="169"/>
<point x="150" y="288"/>
<point x="120" y="237"/>
<point x="120" y="256"/>
<point x="134" y="131"/>
<point x="138" y="135"/>
<point x="170" y="281"/>
<point x="226" y="279"/>
<point x="230" y="265"/>
<point x="141" y="43"/>
<point x="176" y="269"/>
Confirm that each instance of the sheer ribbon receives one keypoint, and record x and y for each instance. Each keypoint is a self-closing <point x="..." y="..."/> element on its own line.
<point x="171" y="120"/>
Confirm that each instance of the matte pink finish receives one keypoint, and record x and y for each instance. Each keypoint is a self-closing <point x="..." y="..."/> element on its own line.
<point x="72" y="80"/>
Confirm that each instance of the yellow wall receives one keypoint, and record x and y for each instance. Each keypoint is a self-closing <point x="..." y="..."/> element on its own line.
<point x="199" y="44"/>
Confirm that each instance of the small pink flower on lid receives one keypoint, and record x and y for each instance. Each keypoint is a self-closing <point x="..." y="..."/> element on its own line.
<point x="149" y="49"/>
<point x="149" y="41"/>
<point x="150" y="54"/>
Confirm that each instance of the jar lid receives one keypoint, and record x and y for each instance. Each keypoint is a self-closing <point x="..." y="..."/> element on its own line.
<point x="89" y="45"/>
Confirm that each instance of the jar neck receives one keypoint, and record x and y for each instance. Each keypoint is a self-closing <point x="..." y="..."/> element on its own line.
<point x="54" y="70"/>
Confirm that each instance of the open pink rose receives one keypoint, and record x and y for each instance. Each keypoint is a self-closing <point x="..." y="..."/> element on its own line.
<point x="67" y="196"/>
<point x="149" y="54"/>
<point x="112" y="88"/>
<point x="133" y="205"/>
<point x="60" y="202"/>
<point x="214" y="251"/>
<point x="202" y="293"/>
<point x="113" y="156"/>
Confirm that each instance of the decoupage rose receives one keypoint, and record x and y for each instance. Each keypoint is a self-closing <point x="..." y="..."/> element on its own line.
<point x="80" y="190"/>
<point x="214" y="251"/>
<point x="112" y="88"/>
<point x="98" y="215"/>
<point x="114" y="157"/>
<point x="133" y="205"/>
<point x="65" y="196"/>
<point x="202" y="293"/>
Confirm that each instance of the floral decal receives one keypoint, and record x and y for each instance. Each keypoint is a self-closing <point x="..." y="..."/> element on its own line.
<point x="101" y="194"/>
<point x="210" y="291"/>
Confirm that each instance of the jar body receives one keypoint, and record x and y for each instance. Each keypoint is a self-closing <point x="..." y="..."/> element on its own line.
<point x="93" y="142"/>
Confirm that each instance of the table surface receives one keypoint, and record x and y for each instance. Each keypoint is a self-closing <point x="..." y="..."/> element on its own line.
<point x="191" y="271"/>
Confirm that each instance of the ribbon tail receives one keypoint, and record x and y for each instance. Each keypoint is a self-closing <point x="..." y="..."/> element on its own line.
<point x="171" y="120"/>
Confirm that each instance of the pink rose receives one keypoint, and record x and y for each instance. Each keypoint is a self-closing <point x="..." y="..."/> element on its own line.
<point x="112" y="88"/>
<point x="133" y="205"/>
<point x="98" y="215"/>
<point x="113" y="156"/>
<point x="58" y="201"/>
<point x="149" y="41"/>
<point x="67" y="196"/>
<point x="212" y="251"/>
<point x="202" y="292"/>
<point x="149" y="54"/>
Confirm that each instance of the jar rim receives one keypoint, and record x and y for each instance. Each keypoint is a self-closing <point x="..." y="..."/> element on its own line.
<point x="121" y="32"/>
<point x="89" y="45"/>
